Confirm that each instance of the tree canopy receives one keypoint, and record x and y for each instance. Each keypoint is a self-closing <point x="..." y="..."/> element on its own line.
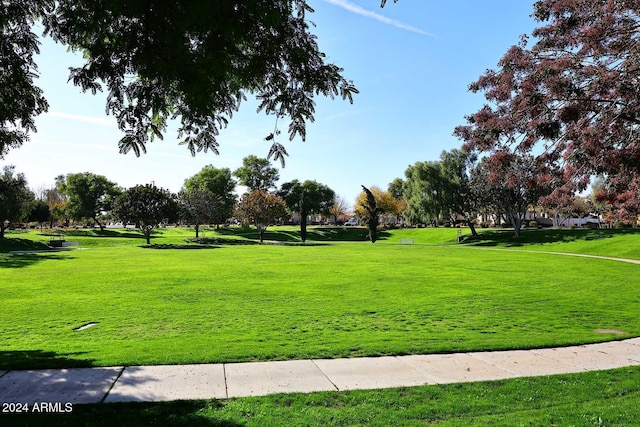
<point x="198" y="206"/>
<point x="89" y="195"/>
<point x="442" y="188"/>
<point x="571" y="96"/>
<point x="307" y="198"/>
<point x="221" y="184"/>
<point x="257" y="173"/>
<point x="261" y="208"/>
<point x="509" y="184"/>
<point x="16" y="200"/>
<point x="195" y="61"/>
<point x="20" y="99"/>
<point x="147" y="206"/>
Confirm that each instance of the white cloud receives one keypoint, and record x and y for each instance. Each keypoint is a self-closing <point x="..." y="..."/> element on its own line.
<point x="344" y="4"/>
<point x="100" y="121"/>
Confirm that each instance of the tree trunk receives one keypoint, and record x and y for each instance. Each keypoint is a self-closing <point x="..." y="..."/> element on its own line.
<point x="517" y="224"/>
<point x="99" y="224"/>
<point x="472" y="227"/>
<point x="261" y="234"/>
<point x="303" y="224"/>
<point x="147" y="232"/>
<point x="197" y="227"/>
<point x="2" y="228"/>
<point x="372" y="225"/>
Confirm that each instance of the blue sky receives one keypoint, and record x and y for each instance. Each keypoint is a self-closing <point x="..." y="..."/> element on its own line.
<point x="412" y="62"/>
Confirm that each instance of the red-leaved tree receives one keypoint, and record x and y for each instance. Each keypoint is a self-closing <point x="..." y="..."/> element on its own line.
<point x="261" y="208"/>
<point x="572" y="96"/>
<point x="508" y="185"/>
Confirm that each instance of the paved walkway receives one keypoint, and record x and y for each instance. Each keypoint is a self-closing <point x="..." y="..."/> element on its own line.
<point x="221" y="381"/>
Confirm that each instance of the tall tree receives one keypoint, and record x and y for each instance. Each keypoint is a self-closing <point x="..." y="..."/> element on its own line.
<point x="307" y="198"/>
<point x="510" y="184"/>
<point x="89" y="195"/>
<point x="396" y="188"/>
<point x="422" y="203"/>
<point x="198" y="206"/>
<point x="444" y="188"/>
<point x="219" y="182"/>
<point x="192" y="60"/>
<point x="261" y="208"/>
<point x="257" y="174"/>
<point x="368" y="209"/>
<point x="572" y="96"/>
<point x="15" y="198"/>
<point x="147" y="206"/>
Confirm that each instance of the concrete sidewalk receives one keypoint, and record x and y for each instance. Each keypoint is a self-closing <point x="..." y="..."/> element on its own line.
<point x="221" y="381"/>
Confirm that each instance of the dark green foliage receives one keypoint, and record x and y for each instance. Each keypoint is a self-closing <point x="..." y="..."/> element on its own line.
<point x="147" y="206"/>
<point x="15" y="198"/>
<point x="307" y="198"/>
<point x="164" y="59"/>
<point x="372" y="212"/>
<point x="257" y="174"/>
<point x="396" y="189"/>
<point x="20" y="99"/>
<point x="441" y="190"/>
<point x="40" y="212"/>
<point x="198" y="206"/>
<point x="89" y="195"/>
<point x="221" y="184"/>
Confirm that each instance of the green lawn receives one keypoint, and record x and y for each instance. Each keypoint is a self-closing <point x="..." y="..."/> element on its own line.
<point x="226" y="298"/>
<point x="607" y="398"/>
<point x="622" y="243"/>
<point x="171" y="303"/>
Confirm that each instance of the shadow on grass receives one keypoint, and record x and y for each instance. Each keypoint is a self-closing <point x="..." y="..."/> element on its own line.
<point x="21" y="260"/>
<point x="17" y="244"/>
<point x="38" y="359"/>
<point x="178" y="246"/>
<point x="125" y="234"/>
<point x="178" y="413"/>
<point x="222" y="241"/>
<point x="533" y="237"/>
<point x="322" y="234"/>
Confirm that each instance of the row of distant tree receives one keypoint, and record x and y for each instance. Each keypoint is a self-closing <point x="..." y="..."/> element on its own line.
<point x="455" y="188"/>
<point x="208" y="197"/>
<point x="562" y="104"/>
<point x="461" y="188"/>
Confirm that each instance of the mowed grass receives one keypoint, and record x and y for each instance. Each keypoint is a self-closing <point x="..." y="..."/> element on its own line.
<point x="607" y="398"/>
<point x="621" y="243"/>
<point x="171" y="303"/>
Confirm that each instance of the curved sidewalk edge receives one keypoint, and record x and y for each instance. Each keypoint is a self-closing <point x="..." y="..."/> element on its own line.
<point x="221" y="381"/>
<point x="484" y="248"/>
